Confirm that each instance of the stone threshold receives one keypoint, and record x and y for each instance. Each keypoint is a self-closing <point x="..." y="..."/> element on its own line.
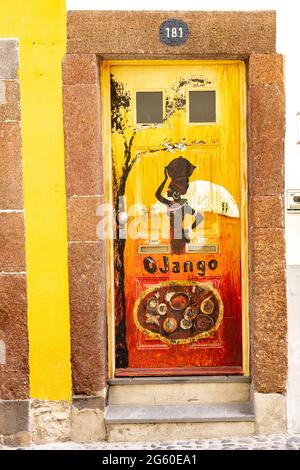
<point x="181" y="379"/>
<point x="229" y="412"/>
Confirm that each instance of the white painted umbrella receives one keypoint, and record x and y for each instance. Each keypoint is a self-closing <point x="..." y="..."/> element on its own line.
<point x="204" y="196"/>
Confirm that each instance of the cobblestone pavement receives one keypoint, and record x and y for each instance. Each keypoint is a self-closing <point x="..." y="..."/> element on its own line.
<point x="270" y="442"/>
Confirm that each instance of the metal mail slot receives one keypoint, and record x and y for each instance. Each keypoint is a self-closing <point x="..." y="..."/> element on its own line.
<point x="154" y="249"/>
<point x="208" y="248"/>
<point x="293" y="200"/>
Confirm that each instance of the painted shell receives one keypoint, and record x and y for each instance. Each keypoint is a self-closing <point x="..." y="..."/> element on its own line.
<point x="170" y="325"/>
<point x="185" y="324"/>
<point x="152" y="304"/>
<point x="207" y="306"/>
<point x="179" y="301"/>
<point x="204" y="323"/>
<point x="162" y="309"/>
<point x="190" y="313"/>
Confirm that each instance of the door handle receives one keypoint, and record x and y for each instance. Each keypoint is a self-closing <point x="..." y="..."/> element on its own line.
<point x="122" y="217"/>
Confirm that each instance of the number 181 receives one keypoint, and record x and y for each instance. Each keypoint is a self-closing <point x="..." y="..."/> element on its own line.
<point x="174" y="32"/>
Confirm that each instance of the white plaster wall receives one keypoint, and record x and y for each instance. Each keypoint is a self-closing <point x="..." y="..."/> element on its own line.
<point x="288" y="43"/>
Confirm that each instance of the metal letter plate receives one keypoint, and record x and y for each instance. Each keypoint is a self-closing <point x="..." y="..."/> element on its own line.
<point x="208" y="248"/>
<point x="152" y="249"/>
<point x="293" y="200"/>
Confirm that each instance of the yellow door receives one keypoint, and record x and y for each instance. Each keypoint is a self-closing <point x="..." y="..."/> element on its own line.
<point x="177" y="133"/>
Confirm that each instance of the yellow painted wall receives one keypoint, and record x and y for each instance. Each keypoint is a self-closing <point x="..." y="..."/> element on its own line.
<point x="40" y="26"/>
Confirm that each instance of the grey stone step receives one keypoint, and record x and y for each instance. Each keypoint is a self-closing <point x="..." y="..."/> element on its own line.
<point x="181" y="379"/>
<point x="178" y="393"/>
<point x="229" y="412"/>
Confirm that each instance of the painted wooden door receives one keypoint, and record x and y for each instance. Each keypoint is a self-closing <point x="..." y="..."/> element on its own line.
<point x="177" y="140"/>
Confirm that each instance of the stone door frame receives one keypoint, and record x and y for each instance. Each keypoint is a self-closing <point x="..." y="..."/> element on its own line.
<point x="248" y="36"/>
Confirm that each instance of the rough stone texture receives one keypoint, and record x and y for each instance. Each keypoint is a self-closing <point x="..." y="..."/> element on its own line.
<point x="268" y="250"/>
<point x="84" y="180"/>
<point x="132" y="33"/>
<point x="14" y="369"/>
<point x="11" y="175"/>
<point x="9" y="58"/>
<point x="269" y="332"/>
<point x="2" y="350"/>
<point x="21" y="439"/>
<point x="10" y="105"/>
<point x="2" y="93"/>
<point x="171" y="431"/>
<point x="270" y="412"/>
<point x="267" y="212"/>
<point x="266" y="69"/>
<point x="82" y="124"/>
<point x="12" y="242"/>
<point x="80" y="69"/>
<point x="14" y="417"/>
<point x="83" y="402"/>
<point x="50" y="421"/>
<point x="267" y="117"/>
<point x="268" y="311"/>
<point x="14" y="374"/>
<point x="88" y="419"/>
<point x="88" y="317"/>
<point x="82" y="140"/>
<point x="280" y="441"/>
<point x="82" y="218"/>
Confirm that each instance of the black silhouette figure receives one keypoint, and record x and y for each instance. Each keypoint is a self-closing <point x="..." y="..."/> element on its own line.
<point x="179" y="170"/>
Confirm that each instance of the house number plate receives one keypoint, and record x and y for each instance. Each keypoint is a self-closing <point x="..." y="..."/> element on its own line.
<point x="173" y="32"/>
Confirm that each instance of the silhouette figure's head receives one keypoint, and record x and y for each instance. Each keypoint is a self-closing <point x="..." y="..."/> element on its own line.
<point x="179" y="170"/>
